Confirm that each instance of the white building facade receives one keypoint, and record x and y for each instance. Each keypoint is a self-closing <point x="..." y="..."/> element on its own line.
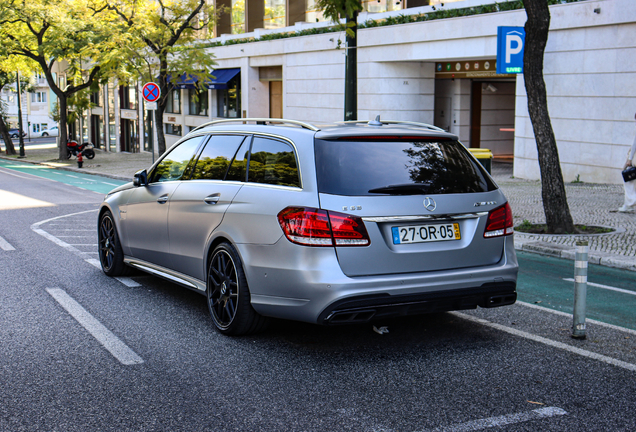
<point x="441" y="72"/>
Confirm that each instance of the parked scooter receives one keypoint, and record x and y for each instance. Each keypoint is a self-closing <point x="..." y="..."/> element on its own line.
<point x="73" y="148"/>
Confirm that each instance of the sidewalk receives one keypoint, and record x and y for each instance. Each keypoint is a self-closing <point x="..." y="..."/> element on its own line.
<point x="590" y="204"/>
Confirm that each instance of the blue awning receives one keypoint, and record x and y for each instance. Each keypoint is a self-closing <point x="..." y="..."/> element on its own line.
<point x="219" y="82"/>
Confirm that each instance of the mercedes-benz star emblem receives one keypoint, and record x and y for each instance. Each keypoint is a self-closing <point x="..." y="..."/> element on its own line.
<point x="429" y="204"/>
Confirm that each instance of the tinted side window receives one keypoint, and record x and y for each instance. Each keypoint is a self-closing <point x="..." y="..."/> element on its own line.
<point x="216" y="157"/>
<point x="177" y="164"/>
<point x="239" y="164"/>
<point x="273" y="162"/>
<point x="356" y="168"/>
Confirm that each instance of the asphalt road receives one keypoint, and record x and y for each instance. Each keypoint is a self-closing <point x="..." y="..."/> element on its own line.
<point x="85" y="352"/>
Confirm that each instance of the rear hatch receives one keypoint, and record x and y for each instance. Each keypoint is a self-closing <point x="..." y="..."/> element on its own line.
<point x="424" y="201"/>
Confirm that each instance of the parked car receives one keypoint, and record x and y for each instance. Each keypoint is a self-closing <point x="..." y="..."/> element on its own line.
<point x="53" y="131"/>
<point x="341" y="224"/>
<point x="13" y="133"/>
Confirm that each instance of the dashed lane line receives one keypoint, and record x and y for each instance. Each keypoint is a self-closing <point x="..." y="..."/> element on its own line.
<point x="549" y="342"/>
<point x="105" y="337"/>
<point x="5" y="245"/>
<point x="607" y="287"/>
<point x="503" y="420"/>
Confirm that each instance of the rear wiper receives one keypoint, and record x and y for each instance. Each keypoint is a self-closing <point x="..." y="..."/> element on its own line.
<point x="403" y="189"/>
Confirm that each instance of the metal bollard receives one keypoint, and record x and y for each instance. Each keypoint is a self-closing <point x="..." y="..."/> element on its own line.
<point x="580" y="289"/>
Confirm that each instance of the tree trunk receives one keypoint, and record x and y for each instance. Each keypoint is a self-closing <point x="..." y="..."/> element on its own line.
<point x="161" y="138"/>
<point x="555" y="204"/>
<point x="63" y="128"/>
<point x="8" y="144"/>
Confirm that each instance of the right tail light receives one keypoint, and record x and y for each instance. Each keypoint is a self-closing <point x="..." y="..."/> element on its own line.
<point x="499" y="222"/>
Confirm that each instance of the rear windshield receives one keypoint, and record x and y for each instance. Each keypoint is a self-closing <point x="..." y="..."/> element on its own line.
<point x="357" y="168"/>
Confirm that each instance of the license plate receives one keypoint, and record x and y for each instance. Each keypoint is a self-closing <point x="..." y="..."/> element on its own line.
<point x="426" y="233"/>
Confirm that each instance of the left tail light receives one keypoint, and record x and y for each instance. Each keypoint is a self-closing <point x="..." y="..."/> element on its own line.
<point x="499" y="222"/>
<point x="316" y="227"/>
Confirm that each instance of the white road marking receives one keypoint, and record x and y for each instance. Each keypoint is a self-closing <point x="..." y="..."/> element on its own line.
<point x="69" y="175"/>
<point x="86" y="256"/>
<point x="128" y="282"/>
<point x="503" y="420"/>
<point x="105" y="337"/>
<point x="569" y="315"/>
<point x="5" y="245"/>
<point x="84" y="244"/>
<point x="607" y="287"/>
<point x="549" y="342"/>
<point x="112" y="184"/>
<point x="94" y="262"/>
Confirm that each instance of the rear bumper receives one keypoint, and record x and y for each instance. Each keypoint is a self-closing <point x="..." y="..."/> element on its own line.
<point x="366" y="308"/>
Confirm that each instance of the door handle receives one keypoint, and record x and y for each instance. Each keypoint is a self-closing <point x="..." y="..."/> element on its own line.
<point x="163" y="199"/>
<point x="212" y="199"/>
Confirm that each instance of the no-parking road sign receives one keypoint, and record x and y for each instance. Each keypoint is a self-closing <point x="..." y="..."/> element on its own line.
<point x="151" y="92"/>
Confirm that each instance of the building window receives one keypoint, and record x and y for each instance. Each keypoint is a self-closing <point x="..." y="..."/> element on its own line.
<point x="376" y="6"/>
<point x="312" y="12"/>
<point x="172" y="129"/>
<point x="173" y="105"/>
<point x="229" y="100"/>
<point x="198" y="102"/>
<point x="127" y="97"/>
<point x="238" y="16"/>
<point x="96" y="98"/>
<point x="274" y="14"/>
<point x="38" y="97"/>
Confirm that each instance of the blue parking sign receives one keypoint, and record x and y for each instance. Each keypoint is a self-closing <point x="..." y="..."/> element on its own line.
<point x="510" y="42"/>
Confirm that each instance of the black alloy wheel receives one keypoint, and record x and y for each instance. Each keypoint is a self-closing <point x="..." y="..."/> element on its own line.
<point x="89" y="153"/>
<point x="111" y="255"/>
<point x="228" y="294"/>
<point x="44" y="134"/>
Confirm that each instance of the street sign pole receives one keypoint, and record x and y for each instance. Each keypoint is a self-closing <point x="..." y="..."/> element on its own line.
<point x="151" y="93"/>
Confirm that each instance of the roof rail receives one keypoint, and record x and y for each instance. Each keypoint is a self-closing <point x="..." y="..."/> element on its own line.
<point x="409" y="123"/>
<point x="261" y="121"/>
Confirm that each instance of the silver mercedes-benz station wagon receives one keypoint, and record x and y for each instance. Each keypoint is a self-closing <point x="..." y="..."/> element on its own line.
<point x="341" y="224"/>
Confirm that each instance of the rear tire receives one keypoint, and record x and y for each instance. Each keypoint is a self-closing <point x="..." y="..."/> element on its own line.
<point x="68" y="154"/>
<point x="44" y="134"/>
<point x="229" y="296"/>
<point x="111" y="255"/>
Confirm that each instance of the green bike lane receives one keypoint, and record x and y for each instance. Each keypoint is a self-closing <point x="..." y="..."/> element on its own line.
<point x="90" y="182"/>
<point x="548" y="282"/>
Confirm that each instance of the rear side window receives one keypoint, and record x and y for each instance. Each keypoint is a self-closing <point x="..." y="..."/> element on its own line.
<point x="216" y="157"/>
<point x="273" y="162"/>
<point x="358" y="168"/>
<point x="177" y="165"/>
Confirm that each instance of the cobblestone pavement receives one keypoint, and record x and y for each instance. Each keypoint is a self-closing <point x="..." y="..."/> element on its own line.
<point x="590" y="204"/>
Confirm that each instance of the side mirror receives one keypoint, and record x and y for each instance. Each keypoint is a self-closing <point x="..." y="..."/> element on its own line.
<point x="140" y="178"/>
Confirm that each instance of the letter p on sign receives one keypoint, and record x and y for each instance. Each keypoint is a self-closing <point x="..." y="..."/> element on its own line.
<point x="510" y="41"/>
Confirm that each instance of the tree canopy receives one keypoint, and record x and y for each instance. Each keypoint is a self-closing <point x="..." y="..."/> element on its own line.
<point x="71" y="48"/>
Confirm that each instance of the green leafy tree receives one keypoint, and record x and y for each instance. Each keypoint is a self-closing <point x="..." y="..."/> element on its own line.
<point x="348" y="9"/>
<point x="165" y="37"/>
<point x="555" y="203"/>
<point x="69" y="46"/>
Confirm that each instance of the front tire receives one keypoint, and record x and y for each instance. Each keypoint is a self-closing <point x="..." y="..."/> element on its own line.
<point x="44" y="134"/>
<point x="228" y="294"/>
<point x="89" y="153"/>
<point x="111" y="255"/>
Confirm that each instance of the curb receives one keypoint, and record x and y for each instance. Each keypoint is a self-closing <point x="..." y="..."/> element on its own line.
<point x="568" y="252"/>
